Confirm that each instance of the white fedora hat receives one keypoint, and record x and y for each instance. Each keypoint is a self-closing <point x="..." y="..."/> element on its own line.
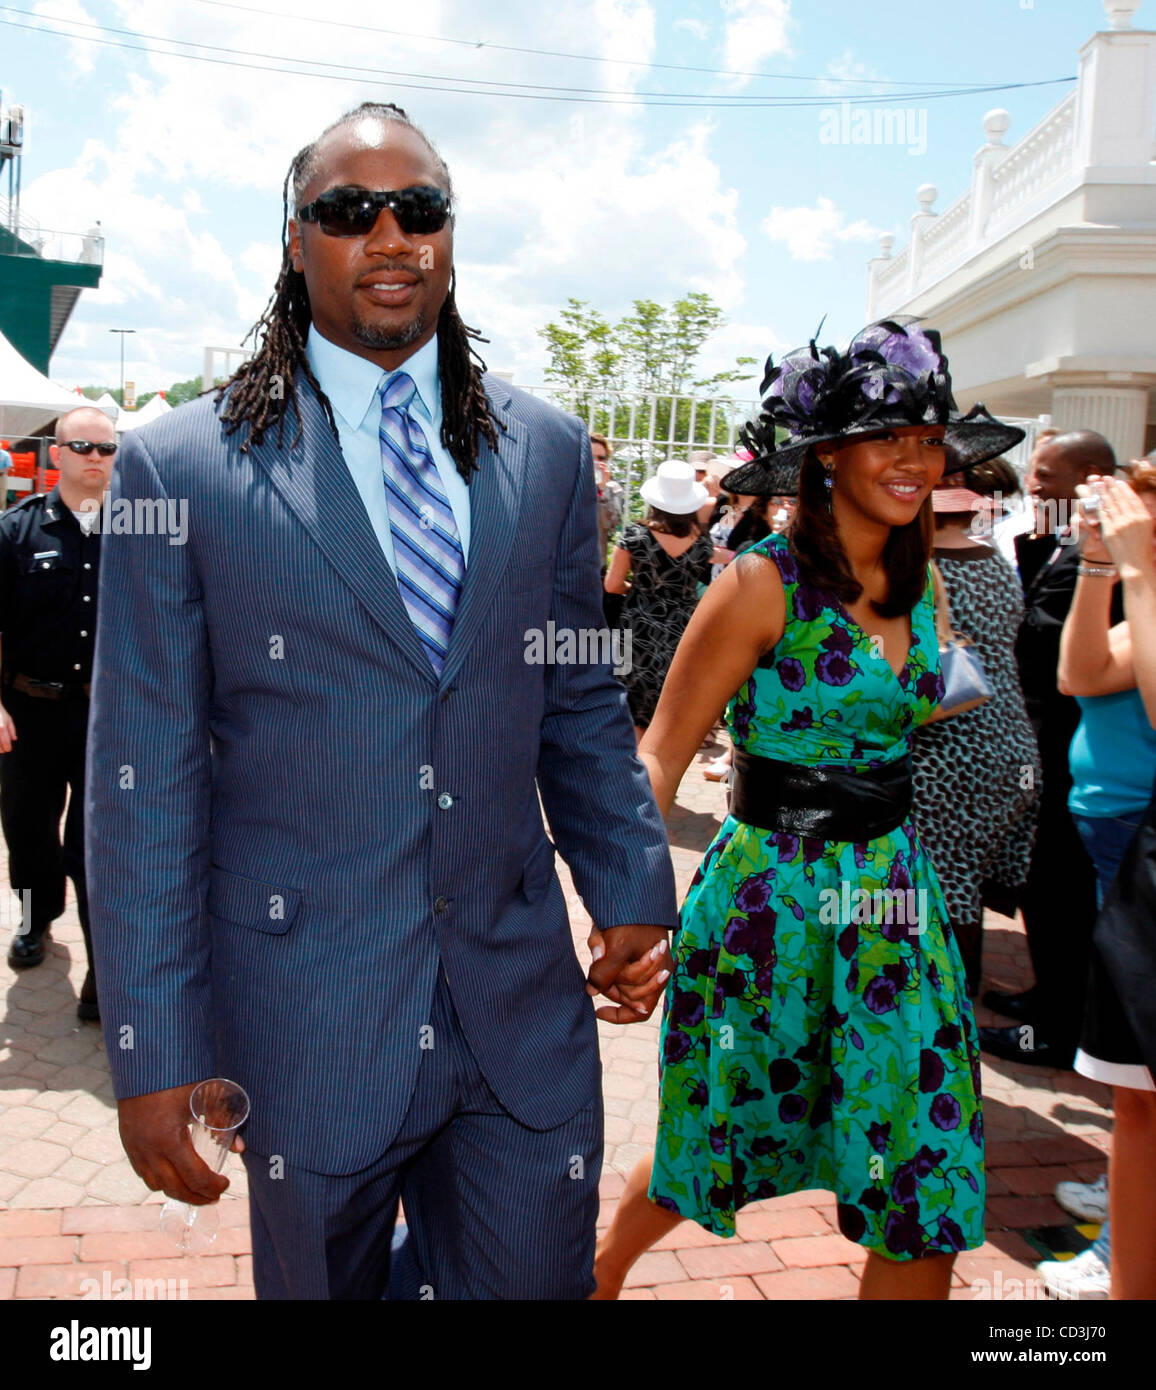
<point x="674" y="489"/>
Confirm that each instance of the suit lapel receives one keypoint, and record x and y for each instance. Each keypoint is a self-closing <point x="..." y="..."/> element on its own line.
<point x="316" y="484"/>
<point x="494" y="492"/>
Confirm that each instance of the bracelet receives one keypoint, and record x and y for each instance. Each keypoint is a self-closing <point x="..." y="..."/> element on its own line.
<point x="1097" y="571"/>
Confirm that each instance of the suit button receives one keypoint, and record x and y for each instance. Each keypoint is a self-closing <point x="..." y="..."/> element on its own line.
<point x="441" y="904"/>
<point x="445" y="801"/>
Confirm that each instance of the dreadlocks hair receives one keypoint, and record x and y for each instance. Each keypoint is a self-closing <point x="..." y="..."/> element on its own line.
<point x="263" y="388"/>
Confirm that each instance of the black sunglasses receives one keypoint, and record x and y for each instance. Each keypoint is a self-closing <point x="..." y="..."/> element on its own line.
<point x="353" y="211"/>
<point x="82" y="446"/>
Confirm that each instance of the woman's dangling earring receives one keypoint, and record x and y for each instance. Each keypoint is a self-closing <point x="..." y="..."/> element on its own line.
<point x="829" y="481"/>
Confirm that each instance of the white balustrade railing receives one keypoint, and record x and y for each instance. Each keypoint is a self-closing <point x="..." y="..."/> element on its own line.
<point x="1043" y="157"/>
<point x="29" y="238"/>
<point x="946" y="239"/>
<point x="1007" y="185"/>
<point x="890" y="276"/>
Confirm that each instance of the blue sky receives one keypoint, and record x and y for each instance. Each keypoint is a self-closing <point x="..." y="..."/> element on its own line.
<point x="182" y="161"/>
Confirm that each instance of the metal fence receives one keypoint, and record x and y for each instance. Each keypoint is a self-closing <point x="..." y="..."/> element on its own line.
<point x="645" y="428"/>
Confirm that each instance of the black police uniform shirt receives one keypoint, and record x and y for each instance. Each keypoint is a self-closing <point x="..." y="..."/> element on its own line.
<point x="49" y="569"/>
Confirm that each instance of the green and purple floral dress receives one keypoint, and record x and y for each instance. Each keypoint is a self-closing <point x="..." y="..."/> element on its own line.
<point x="817" y="1030"/>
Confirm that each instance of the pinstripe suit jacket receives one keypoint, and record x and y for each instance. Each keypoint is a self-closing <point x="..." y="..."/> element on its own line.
<point x="291" y="819"/>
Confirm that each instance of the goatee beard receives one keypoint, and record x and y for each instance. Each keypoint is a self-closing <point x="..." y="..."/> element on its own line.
<point x="374" y="335"/>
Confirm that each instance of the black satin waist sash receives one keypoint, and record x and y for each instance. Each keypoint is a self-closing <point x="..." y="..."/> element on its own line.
<point x="826" y="803"/>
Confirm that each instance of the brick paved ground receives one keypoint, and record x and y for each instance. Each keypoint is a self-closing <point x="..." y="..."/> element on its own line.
<point x="72" y="1210"/>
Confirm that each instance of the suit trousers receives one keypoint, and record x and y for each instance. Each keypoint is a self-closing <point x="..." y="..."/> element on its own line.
<point x="495" y="1210"/>
<point x="45" y="766"/>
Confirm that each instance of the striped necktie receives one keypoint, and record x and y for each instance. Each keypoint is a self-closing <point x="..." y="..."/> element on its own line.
<point x="426" y="546"/>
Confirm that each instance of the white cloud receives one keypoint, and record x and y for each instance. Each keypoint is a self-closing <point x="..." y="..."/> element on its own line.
<point x="694" y="27"/>
<point x="81" y="55"/>
<point x="184" y="167"/>
<point x="755" y="30"/>
<point x="809" y="233"/>
<point x="849" y="69"/>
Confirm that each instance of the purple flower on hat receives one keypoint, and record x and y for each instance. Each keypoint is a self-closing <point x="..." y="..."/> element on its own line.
<point x="909" y="349"/>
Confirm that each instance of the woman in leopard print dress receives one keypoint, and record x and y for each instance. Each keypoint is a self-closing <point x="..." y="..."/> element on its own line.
<point x="977" y="775"/>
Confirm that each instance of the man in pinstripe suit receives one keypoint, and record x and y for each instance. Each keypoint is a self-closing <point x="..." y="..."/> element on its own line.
<point x="316" y="855"/>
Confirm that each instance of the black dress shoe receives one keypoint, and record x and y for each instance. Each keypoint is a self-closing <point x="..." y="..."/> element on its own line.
<point x="26" y="951"/>
<point x="1009" y="1043"/>
<point x="87" y="1010"/>
<point x="1021" y="1006"/>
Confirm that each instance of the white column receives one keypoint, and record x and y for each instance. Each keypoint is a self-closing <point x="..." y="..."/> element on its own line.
<point x="1116" y="94"/>
<point x="927" y="194"/>
<point x="995" y="127"/>
<point x="1120" y="414"/>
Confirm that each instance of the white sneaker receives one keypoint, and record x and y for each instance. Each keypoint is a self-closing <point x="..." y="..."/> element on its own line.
<point x="1087" y="1200"/>
<point x="1085" y="1277"/>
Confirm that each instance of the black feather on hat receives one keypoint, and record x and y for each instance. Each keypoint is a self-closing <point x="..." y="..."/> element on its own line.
<point x="892" y="375"/>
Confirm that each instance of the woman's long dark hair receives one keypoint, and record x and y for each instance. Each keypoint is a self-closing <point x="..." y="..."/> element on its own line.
<point x="823" y="563"/>
<point x="262" y="389"/>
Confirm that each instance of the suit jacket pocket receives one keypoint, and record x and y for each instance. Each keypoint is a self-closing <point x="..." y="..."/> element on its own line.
<point x="538" y="871"/>
<point x="250" y="903"/>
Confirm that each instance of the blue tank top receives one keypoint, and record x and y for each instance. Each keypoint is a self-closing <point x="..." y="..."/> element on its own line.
<point x="1113" y="756"/>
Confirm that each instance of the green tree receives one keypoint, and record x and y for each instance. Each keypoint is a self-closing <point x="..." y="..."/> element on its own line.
<point x="177" y="394"/>
<point x="653" y="352"/>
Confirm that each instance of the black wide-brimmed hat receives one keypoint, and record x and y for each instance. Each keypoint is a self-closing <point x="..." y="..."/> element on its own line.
<point x="892" y="375"/>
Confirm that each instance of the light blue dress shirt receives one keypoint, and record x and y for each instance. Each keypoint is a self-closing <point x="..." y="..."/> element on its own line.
<point x="352" y="384"/>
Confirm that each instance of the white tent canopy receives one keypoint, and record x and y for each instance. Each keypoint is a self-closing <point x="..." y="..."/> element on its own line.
<point x="106" y="403"/>
<point x="28" y="400"/>
<point x="134" y="419"/>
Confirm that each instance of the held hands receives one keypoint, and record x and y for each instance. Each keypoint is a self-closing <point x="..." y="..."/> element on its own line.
<point x="154" y="1130"/>
<point x="631" y="966"/>
<point x="1121" y="531"/>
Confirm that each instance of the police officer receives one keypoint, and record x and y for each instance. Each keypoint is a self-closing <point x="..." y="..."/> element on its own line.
<point x="49" y="563"/>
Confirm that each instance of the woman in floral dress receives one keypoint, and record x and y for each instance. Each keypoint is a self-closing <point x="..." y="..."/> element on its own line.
<point x="818" y="1032"/>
